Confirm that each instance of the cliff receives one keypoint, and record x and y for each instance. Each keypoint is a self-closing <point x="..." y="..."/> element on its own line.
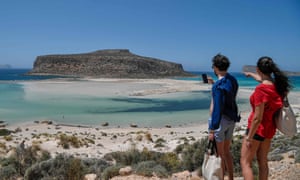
<point x="115" y="63"/>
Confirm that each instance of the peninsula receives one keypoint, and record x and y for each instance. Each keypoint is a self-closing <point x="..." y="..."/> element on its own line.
<point x="111" y="63"/>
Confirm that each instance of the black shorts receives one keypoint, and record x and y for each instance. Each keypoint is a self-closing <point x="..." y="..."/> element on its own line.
<point x="256" y="136"/>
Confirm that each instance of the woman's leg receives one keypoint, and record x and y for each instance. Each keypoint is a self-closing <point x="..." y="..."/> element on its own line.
<point x="262" y="159"/>
<point x="247" y="155"/>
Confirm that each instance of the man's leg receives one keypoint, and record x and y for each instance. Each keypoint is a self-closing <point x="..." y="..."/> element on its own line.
<point x="228" y="159"/>
<point x="221" y="153"/>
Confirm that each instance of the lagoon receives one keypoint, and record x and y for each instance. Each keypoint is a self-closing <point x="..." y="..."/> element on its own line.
<point x="119" y="103"/>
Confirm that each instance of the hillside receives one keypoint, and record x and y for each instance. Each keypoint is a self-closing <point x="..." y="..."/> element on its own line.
<point x="113" y="63"/>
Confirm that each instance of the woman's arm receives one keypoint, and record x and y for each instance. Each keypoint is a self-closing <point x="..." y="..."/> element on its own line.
<point x="257" y="118"/>
<point x="253" y="75"/>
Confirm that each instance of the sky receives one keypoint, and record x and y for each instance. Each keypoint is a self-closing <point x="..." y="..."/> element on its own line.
<point x="189" y="32"/>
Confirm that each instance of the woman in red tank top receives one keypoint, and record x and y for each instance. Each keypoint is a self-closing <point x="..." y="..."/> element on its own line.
<point x="266" y="99"/>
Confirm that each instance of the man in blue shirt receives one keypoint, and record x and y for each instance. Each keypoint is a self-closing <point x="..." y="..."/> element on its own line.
<point x="224" y="111"/>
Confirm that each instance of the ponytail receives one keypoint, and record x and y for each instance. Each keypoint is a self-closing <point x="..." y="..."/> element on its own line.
<point x="282" y="82"/>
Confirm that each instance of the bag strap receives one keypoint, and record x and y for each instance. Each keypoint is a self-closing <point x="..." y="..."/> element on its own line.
<point x="286" y="102"/>
<point x="212" y="147"/>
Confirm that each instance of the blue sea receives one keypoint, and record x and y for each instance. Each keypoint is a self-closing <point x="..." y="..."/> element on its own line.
<point x="183" y="109"/>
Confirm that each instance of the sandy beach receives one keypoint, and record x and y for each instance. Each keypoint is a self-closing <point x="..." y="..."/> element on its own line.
<point x="104" y="139"/>
<point x="96" y="141"/>
<point x="116" y="87"/>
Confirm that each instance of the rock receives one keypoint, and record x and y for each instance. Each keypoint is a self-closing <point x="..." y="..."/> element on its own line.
<point x="103" y="134"/>
<point x="46" y="122"/>
<point x="125" y="171"/>
<point x="105" y="124"/>
<point x="182" y="175"/>
<point x="11" y="153"/>
<point x="133" y="125"/>
<point x="17" y="130"/>
<point x="90" y="177"/>
<point x="112" y="63"/>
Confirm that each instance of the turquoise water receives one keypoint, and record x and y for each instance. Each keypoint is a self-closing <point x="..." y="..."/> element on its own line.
<point x="181" y="109"/>
<point x="245" y="81"/>
<point x="185" y="108"/>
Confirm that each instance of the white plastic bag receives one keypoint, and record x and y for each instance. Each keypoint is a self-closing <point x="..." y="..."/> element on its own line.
<point x="286" y="120"/>
<point x="212" y="165"/>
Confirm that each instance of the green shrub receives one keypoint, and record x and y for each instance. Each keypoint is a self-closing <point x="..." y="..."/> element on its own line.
<point x="74" y="169"/>
<point x="96" y="166"/>
<point x="148" y="168"/>
<point x="126" y="158"/>
<point x="8" y="138"/>
<point x="236" y="147"/>
<point x="8" y="172"/>
<point x="160" y="140"/>
<point x="170" y="161"/>
<point x="192" y="154"/>
<point x="111" y="171"/>
<point x="3" y="146"/>
<point x="10" y="161"/>
<point x="67" y="141"/>
<point x="5" y="132"/>
<point x="61" y="167"/>
<point x="23" y="159"/>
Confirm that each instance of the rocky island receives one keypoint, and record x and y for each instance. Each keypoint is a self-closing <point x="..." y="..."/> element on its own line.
<point x="112" y="63"/>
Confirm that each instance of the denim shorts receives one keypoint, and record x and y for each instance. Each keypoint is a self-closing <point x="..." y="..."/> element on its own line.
<point x="225" y="130"/>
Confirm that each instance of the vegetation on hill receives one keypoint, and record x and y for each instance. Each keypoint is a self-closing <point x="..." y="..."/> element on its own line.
<point x="112" y="63"/>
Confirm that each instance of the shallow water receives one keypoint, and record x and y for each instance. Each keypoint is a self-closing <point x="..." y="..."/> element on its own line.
<point x="172" y="109"/>
<point x="18" y="104"/>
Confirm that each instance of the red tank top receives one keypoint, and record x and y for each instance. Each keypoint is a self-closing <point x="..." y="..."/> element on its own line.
<point x="267" y="94"/>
